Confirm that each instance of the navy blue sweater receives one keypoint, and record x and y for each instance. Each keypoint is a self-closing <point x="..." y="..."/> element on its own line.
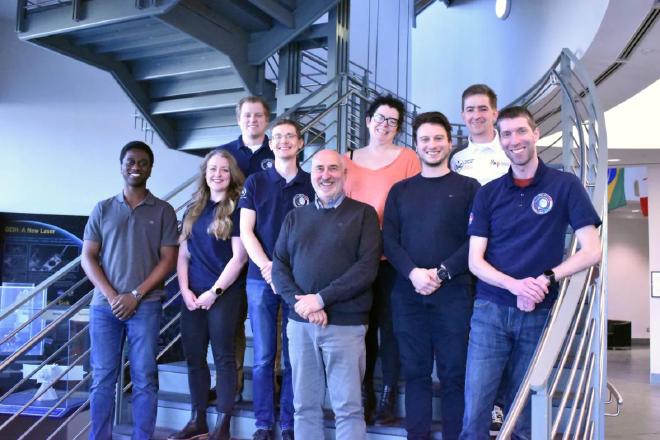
<point x="425" y="224"/>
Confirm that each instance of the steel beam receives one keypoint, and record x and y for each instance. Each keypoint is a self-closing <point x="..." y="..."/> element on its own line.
<point x="275" y="10"/>
<point x="264" y="44"/>
<point x="59" y="20"/>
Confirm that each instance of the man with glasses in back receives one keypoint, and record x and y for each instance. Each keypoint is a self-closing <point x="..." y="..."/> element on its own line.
<point x="266" y="199"/>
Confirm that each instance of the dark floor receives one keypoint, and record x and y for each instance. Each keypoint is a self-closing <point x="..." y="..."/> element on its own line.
<point x="628" y="370"/>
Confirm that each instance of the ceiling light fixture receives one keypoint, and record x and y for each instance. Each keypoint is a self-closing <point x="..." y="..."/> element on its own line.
<point x="614" y="160"/>
<point x="502" y="9"/>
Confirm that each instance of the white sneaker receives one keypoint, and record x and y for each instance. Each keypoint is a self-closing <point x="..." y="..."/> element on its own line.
<point x="497" y="418"/>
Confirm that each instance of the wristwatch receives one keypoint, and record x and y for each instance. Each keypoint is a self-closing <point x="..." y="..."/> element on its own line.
<point x="550" y="275"/>
<point x="219" y="291"/>
<point x="443" y="273"/>
<point x="136" y="294"/>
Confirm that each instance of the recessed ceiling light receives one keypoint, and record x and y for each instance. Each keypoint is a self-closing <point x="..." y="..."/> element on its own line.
<point x="635" y="210"/>
<point x="614" y="160"/>
<point x="502" y="8"/>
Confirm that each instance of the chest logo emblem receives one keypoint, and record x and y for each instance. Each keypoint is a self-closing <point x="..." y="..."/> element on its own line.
<point x="300" y="200"/>
<point x="542" y="203"/>
<point x="266" y="164"/>
<point x="243" y="192"/>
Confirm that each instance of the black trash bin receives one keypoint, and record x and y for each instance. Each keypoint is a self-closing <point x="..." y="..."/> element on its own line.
<point x="618" y="334"/>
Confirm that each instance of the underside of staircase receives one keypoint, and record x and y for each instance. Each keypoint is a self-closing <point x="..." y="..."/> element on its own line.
<point x="184" y="63"/>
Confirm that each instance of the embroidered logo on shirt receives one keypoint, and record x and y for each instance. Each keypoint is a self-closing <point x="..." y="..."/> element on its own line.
<point x="266" y="164"/>
<point x="470" y="218"/>
<point x="459" y="164"/>
<point x="300" y="200"/>
<point x="243" y="193"/>
<point x="542" y="203"/>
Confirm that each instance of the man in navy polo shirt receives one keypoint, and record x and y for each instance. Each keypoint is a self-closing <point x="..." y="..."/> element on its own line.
<point x="252" y="154"/>
<point x="251" y="148"/>
<point x="517" y="229"/>
<point x="267" y="197"/>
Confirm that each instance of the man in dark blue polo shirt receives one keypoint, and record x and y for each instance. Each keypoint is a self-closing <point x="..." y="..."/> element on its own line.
<point x="517" y="229"/>
<point x="267" y="197"/>
<point x="251" y="148"/>
<point x="252" y="154"/>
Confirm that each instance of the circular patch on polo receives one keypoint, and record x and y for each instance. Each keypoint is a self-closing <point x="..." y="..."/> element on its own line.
<point x="300" y="200"/>
<point x="266" y="164"/>
<point x="542" y="203"/>
<point x="243" y="192"/>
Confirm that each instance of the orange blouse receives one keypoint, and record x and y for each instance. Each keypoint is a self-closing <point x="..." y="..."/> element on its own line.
<point x="372" y="186"/>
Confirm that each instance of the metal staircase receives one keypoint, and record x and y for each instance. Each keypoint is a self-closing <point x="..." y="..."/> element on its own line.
<point x="184" y="63"/>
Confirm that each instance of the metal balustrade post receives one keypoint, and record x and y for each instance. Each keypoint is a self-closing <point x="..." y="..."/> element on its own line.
<point x="567" y="126"/>
<point x="541" y="413"/>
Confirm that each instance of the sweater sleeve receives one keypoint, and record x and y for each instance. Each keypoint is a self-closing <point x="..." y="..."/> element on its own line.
<point x="457" y="263"/>
<point x="362" y="273"/>
<point x="394" y="251"/>
<point x="282" y="275"/>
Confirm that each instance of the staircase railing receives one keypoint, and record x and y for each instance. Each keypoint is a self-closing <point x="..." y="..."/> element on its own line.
<point x="567" y="378"/>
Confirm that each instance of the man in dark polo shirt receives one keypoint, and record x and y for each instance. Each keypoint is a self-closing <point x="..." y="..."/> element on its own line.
<point x="130" y="246"/>
<point x="266" y="199"/>
<point x="433" y="292"/>
<point x="251" y="148"/>
<point x="325" y="261"/>
<point x="252" y="153"/>
<point x="517" y="230"/>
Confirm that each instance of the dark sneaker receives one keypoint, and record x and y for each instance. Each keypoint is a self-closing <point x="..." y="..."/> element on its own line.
<point x="262" y="434"/>
<point x="497" y="418"/>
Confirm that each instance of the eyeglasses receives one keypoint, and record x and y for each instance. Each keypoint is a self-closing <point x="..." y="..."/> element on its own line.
<point x="392" y="122"/>
<point x="288" y="137"/>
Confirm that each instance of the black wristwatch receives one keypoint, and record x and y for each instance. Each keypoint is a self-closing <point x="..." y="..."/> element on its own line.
<point x="219" y="291"/>
<point x="550" y="275"/>
<point x="443" y="273"/>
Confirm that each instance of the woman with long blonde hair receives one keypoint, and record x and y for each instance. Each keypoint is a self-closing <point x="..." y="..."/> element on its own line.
<point x="212" y="281"/>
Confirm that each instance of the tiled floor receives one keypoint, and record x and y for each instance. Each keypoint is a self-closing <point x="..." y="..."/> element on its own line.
<point x="628" y="370"/>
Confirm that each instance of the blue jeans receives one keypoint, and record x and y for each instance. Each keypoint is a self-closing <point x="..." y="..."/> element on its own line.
<point x="263" y="306"/>
<point x="502" y="342"/>
<point x="432" y="328"/>
<point x="107" y="338"/>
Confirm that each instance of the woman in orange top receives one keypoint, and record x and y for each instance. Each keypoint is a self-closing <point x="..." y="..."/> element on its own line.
<point x="372" y="171"/>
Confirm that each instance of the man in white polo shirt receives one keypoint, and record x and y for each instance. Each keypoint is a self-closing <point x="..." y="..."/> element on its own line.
<point x="482" y="158"/>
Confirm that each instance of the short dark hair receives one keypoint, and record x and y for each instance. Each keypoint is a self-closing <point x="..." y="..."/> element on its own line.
<point x="253" y="99"/>
<point x="136" y="145"/>
<point x="431" y="118"/>
<point x="516" y="112"/>
<point x="389" y="101"/>
<point x="479" y="89"/>
<point x="290" y="122"/>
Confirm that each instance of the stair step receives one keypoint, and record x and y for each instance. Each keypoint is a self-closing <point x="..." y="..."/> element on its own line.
<point x="205" y="60"/>
<point x="159" y="50"/>
<point x="195" y="83"/>
<point x="206" y="137"/>
<point x="204" y="102"/>
<point x="137" y="29"/>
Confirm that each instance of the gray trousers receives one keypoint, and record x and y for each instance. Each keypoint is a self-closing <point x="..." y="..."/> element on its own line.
<point x="336" y="354"/>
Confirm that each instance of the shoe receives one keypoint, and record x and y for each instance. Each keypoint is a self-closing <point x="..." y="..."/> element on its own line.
<point x="262" y="434"/>
<point x="195" y="429"/>
<point x="221" y="431"/>
<point x="238" y="397"/>
<point x="287" y="434"/>
<point x="213" y="394"/>
<point x="386" y="414"/>
<point x="497" y="418"/>
<point x="369" y="403"/>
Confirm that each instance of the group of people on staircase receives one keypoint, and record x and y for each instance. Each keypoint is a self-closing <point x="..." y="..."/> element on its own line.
<point x="372" y="255"/>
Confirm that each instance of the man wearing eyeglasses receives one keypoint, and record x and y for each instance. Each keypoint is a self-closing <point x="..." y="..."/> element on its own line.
<point x="266" y="199"/>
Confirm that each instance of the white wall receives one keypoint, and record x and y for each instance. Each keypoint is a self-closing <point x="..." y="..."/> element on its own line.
<point x="654" y="265"/>
<point x="62" y="124"/>
<point x="628" y="269"/>
<point x="510" y="55"/>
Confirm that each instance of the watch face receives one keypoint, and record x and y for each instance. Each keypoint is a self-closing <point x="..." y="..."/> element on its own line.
<point x="443" y="274"/>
